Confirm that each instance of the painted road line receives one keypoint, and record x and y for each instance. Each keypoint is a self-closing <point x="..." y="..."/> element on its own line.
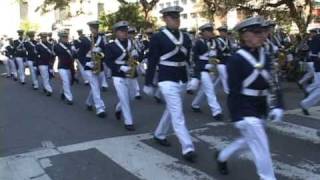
<point x="288" y="129"/>
<point x="283" y="169"/>
<point x="129" y="152"/>
<point x="314" y="112"/>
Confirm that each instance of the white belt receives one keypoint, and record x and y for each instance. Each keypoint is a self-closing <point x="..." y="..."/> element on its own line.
<point x="313" y="55"/>
<point x="173" y="64"/>
<point x="226" y="54"/>
<point x="253" y="92"/>
<point x="120" y="62"/>
<point x="204" y="58"/>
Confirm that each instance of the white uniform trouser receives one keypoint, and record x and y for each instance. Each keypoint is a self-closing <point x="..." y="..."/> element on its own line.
<point x="173" y="115"/>
<point x="65" y="75"/>
<point x="308" y="74"/>
<point x="7" y="65"/>
<point x="103" y="79"/>
<point x="222" y="69"/>
<point x="21" y="69"/>
<point x="125" y="91"/>
<point x="207" y="89"/>
<point x="106" y="71"/>
<point x="314" y="96"/>
<point x="94" y="97"/>
<point x="255" y="139"/>
<point x="33" y="74"/>
<point x="83" y="72"/>
<point x="136" y="86"/>
<point x="13" y="68"/>
<point x="44" y="73"/>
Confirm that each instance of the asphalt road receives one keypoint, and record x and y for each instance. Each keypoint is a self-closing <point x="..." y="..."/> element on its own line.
<point x="42" y="138"/>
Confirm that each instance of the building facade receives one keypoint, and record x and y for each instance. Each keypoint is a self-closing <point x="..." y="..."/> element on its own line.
<point x="14" y="15"/>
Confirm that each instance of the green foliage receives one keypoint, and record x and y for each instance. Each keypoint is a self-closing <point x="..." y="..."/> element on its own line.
<point x="27" y="25"/>
<point x="129" y="12"/>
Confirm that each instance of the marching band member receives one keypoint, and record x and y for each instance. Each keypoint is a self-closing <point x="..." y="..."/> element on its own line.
<point x="9" y="52"/>
<point x="224" y="47"/>
<point x="146" y="44"/>
<point x="204" y="52"/>
<point x="119" y="53"/>
<point x="30" y="45"/>
<point x="139" y="48"/>
<point x="310" y="63"/>
<point x="63" y="51"/>
<point x="82" y="44"/>
<point x="44" y="60"/>
<point x="314" y="92"/>
<point x="20" y="55"/>
<point x="170" y="51"/>
<point x="94" y="69"/>
<point x="251" y="79"/>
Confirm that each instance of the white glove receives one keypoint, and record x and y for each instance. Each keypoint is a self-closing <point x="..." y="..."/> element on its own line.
<point x="96" y="49"/>
<point x="90" y="64"/>
<point x="193" y="84"/>
<point x="125" y="69"/>
<point x="212" y="53"/>
<point x="209" y="66"/>
<point x="275" y="115"/>
<point x="134" y="53"/>
<point x="148" y="90"/>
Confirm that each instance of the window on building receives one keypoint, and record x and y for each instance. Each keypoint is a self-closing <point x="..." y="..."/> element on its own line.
<point x="24" y="8"/>
<point x="161" y="5"/>
<point x="100" y="9"/>
<point x="184" y="2"/>
<point x="176" y="3"/>
<point x="184" y="16"/>
<point x="168" y="4"/>
<point x="193" y="15"/>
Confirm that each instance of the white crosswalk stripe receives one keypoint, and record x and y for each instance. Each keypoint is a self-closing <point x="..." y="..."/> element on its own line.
<point x="130" y="153"/>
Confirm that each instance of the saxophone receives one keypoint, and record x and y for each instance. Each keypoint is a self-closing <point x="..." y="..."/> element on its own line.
<point x="275" y="96"/>
<point x="213" y="60"/>
<point x="133" y="64"/>
<point x="96" y="58"/>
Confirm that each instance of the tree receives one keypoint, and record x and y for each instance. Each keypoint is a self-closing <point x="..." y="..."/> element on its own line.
<point x="127" y="11"/>
<point x="28" y="26"/>
<point x="146" y="7"/>
<point x="298" y="11"/>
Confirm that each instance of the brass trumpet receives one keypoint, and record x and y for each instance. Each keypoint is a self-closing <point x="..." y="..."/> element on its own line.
<point x="96" y="58"/>
<point x="133" y="64"/>
<point x="214" y="61"/>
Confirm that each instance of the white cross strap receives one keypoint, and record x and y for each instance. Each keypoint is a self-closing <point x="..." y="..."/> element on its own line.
<point x="177" y="43"/>
<point x="119" y="59"/>
<point x="46" y="48"/>
<point x="258" y="70"/>
<point x="66" y="49"/>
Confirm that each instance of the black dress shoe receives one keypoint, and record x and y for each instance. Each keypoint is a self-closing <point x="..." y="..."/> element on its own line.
<point x="222" y="166"/>
<point x="162" y="142"/>
<point x="305" y="111"/>
<point x="104" y="89"/>
<point x="158" y="100"/>
<point x="196" y="110"/>
<point x="138" y="97"/>
<point x="86" y="84"/>
<point x="117" y="114"/>
<point x="15" y="79"/>
<point x="89" y="108"/>
<point x="48" y="93"/>
<point x="62" y="97"/>
<point x="23" y="83"/>
<point x="35" y="88"/>
<point x="218" y="117"/>
<point x="299" y="85"/>
<point x="190" y="92"/>
<point x="190" y="156"/>
<point x="69" y="102"/>
<point x="129" y="127"/>
<point x="101" y="115"/>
